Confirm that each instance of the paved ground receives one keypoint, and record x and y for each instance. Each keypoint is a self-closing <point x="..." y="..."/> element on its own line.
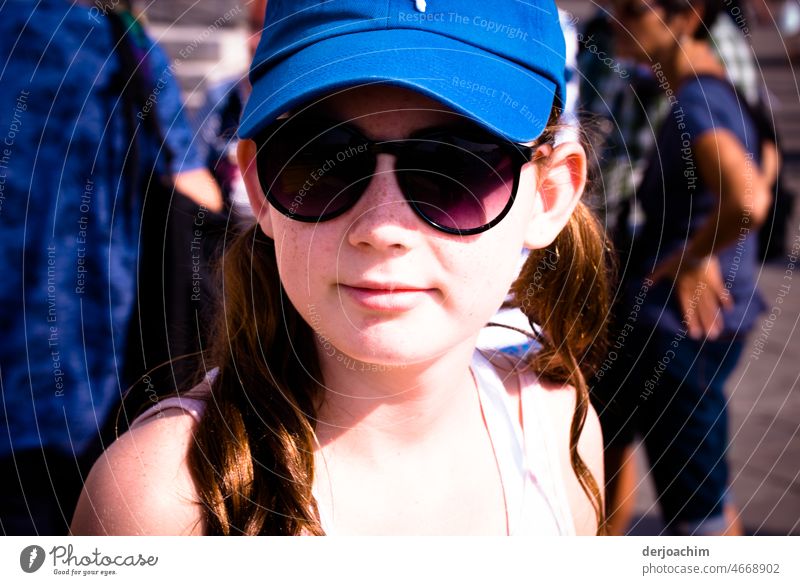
<point x="764" y="392"/>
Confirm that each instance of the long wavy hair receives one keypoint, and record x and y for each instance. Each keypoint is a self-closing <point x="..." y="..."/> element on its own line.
<point x="252" y="459"/>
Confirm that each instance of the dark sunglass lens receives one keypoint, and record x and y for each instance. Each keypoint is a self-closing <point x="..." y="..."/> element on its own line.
<point x="460" y="184"/>
<point x="311" y="171"/>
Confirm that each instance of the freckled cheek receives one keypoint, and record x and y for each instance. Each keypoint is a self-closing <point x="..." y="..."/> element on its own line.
<point x="293" y="257"/>
<point x="483" y="282"/>
<point x="501" y="260"/>
<point x="306" y="258"/>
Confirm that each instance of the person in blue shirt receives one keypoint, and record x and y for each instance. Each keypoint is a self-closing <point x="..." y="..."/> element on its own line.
<point x="689" y="280"/>
<point x="76" y="154"/>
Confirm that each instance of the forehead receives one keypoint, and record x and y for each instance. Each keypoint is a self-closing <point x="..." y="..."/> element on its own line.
<point x="386" y="111"/>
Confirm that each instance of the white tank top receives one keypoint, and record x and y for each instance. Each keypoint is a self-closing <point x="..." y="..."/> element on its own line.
<point x="526" y="452"/>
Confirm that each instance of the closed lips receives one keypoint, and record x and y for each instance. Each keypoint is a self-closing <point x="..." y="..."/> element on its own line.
<point x="387" y="287"/>
<point x="392" y="297"/>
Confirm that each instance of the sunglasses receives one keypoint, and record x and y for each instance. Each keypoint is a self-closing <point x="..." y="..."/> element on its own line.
<point x="458" y="179"/>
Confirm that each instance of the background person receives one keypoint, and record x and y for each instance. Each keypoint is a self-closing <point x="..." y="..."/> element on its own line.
<point x="72" y="181"/>
<point x="690" y="276"/>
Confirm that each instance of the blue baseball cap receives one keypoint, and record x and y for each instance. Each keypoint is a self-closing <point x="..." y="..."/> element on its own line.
<point x="499" y="62"/>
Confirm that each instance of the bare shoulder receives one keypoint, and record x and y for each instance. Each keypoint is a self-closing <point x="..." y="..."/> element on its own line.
<point x="141" y="484"/>
<point x="559" y="401"/>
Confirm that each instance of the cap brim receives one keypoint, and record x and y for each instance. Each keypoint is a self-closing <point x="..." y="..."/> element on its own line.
<point x="503" y="96"/>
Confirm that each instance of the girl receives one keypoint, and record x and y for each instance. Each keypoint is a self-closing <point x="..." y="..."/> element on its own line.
<point x="397" y="160"/>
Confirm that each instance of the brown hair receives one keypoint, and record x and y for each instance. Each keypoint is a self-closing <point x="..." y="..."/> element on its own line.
<point x="564" y="288"/>
<point x="253" y="455"/>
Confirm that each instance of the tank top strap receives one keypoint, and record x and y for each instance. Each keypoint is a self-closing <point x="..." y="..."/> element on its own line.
<point x="501" y="412"/>
<point x="192" y="403"/>
<point x="526" y="450"/>
<point x="541" y="449"/>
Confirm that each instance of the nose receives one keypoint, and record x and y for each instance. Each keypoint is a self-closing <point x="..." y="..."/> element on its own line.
<point x="382" y="219"/>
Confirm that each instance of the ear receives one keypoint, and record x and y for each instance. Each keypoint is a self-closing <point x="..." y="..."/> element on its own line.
<point x="246" y="157"/>
<point x="562" y="178"/>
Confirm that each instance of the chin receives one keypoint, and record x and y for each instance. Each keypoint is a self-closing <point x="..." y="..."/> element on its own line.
<point x="379" y="347"/>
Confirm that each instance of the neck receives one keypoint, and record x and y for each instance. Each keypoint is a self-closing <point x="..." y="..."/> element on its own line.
<point x="690" y="58"/>
<point x="372" y="407"/>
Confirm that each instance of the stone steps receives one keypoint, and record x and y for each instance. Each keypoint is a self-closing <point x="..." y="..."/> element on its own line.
<point x="202" y="55"/>
<point x="206" y="40"/>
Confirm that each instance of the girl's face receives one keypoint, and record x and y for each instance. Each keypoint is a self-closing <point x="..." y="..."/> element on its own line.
<point x="377" y="283"/>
